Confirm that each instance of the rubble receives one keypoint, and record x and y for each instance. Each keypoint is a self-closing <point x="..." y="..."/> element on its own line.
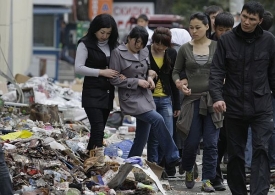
<point x="45" y="140"/>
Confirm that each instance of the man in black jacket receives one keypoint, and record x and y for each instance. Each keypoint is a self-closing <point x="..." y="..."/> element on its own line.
<point x="245" y="57"/>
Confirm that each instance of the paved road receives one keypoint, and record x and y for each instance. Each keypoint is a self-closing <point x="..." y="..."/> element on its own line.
<point x="178" y="186"/>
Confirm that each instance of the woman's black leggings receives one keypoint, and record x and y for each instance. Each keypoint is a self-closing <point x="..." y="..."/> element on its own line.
<point x="97" y="118"/>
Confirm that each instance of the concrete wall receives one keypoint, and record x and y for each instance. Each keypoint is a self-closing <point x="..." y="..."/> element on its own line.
<point x="15" y="35"/>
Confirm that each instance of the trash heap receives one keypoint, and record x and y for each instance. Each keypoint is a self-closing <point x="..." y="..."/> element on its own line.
<point x="45" y="147"/>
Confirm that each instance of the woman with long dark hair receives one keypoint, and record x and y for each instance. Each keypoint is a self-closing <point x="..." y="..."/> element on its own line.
<point x="197" y="118"/>
<point x="92" y="61"/>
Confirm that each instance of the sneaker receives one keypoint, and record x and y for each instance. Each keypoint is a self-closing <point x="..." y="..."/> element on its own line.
<point x="189" y="179"/>
<point x="207" y="186"/>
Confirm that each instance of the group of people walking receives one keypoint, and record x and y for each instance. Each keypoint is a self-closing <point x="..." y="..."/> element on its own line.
<point x="224" y="74"/>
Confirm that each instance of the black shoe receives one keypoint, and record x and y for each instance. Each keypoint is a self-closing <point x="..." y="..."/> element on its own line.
<point x="225" y="158"/>
<point x="218" y="186"/>
<point x="247" y="170"/>
<point x="164" y="175"/>
<point x="196" y="171"/>
<point x="181" y="171"/>
<point x="170" y="173"/>
<point x="175" y="163"/>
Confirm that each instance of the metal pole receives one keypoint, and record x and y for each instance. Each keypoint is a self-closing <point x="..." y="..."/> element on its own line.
<point x="10" y="58"/>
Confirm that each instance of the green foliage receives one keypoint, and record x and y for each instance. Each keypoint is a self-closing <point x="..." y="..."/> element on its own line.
<point x="186" y="8"/>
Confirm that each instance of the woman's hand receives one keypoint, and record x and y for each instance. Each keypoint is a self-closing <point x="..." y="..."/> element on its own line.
<point x="143" y="83"/>
<point x="183" y="86"/>
<point x="185" y="89"/>
<point x="152" y="74"/>
<point x="151" y="83"/>
<point x="180" y="83"/>
<point x="176" y="113"/>
<point x="122" y="77"/>
<point x="109" y="73"/>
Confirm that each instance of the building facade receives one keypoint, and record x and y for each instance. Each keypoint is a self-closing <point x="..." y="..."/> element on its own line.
<point x="15" y="36"/>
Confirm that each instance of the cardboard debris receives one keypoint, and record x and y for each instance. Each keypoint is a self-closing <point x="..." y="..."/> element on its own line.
<point x="125" y="169"/>
<point x="158" y="170"/>
<point x="20" y="78"/>
<point x="77" y="87"/>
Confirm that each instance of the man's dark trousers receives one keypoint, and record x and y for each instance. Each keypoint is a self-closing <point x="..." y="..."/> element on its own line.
<point x="237" y="129"/>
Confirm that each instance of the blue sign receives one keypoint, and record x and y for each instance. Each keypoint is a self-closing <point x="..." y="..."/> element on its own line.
<point x="105" y="7"/>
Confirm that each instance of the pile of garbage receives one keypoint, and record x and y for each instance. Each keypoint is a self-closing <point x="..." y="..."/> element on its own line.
<point x="45" y="147"/>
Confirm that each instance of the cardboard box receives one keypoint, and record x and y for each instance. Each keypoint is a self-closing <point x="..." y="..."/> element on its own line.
<point x="20" y="78"/>
<point x="77" y="87"/>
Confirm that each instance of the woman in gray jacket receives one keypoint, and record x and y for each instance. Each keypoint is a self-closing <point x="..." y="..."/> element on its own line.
<point x="135" y="96"/>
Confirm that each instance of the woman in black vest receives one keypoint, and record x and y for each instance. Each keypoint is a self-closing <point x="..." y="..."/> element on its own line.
<point x="92" y="61"/>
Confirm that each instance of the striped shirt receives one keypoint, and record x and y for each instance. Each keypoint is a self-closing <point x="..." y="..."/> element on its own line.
<point x="201" y="59"/>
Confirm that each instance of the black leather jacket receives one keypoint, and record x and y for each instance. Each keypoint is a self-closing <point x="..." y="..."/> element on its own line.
<point x="246" y="62"/>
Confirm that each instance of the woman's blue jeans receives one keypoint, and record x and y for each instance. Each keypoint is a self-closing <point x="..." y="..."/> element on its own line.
<point x="154" y="121"/>
<point x="5" y="180"/>
<point x="164" y="108"/>
<point x="201" y="127"/>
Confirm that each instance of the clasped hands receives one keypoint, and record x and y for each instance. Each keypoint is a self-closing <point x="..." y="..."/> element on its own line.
<point x="147" y="84"/>
<point x="182" y="85"/>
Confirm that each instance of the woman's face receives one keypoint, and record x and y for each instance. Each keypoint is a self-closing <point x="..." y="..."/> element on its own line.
<point x="135" y="45"/>
<point x="197" y="29"/>
<point x="103" y="34"/>
<point x="159" y="47"/>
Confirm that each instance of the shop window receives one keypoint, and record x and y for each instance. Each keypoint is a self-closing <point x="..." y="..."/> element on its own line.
<point x="43" y="31"/>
